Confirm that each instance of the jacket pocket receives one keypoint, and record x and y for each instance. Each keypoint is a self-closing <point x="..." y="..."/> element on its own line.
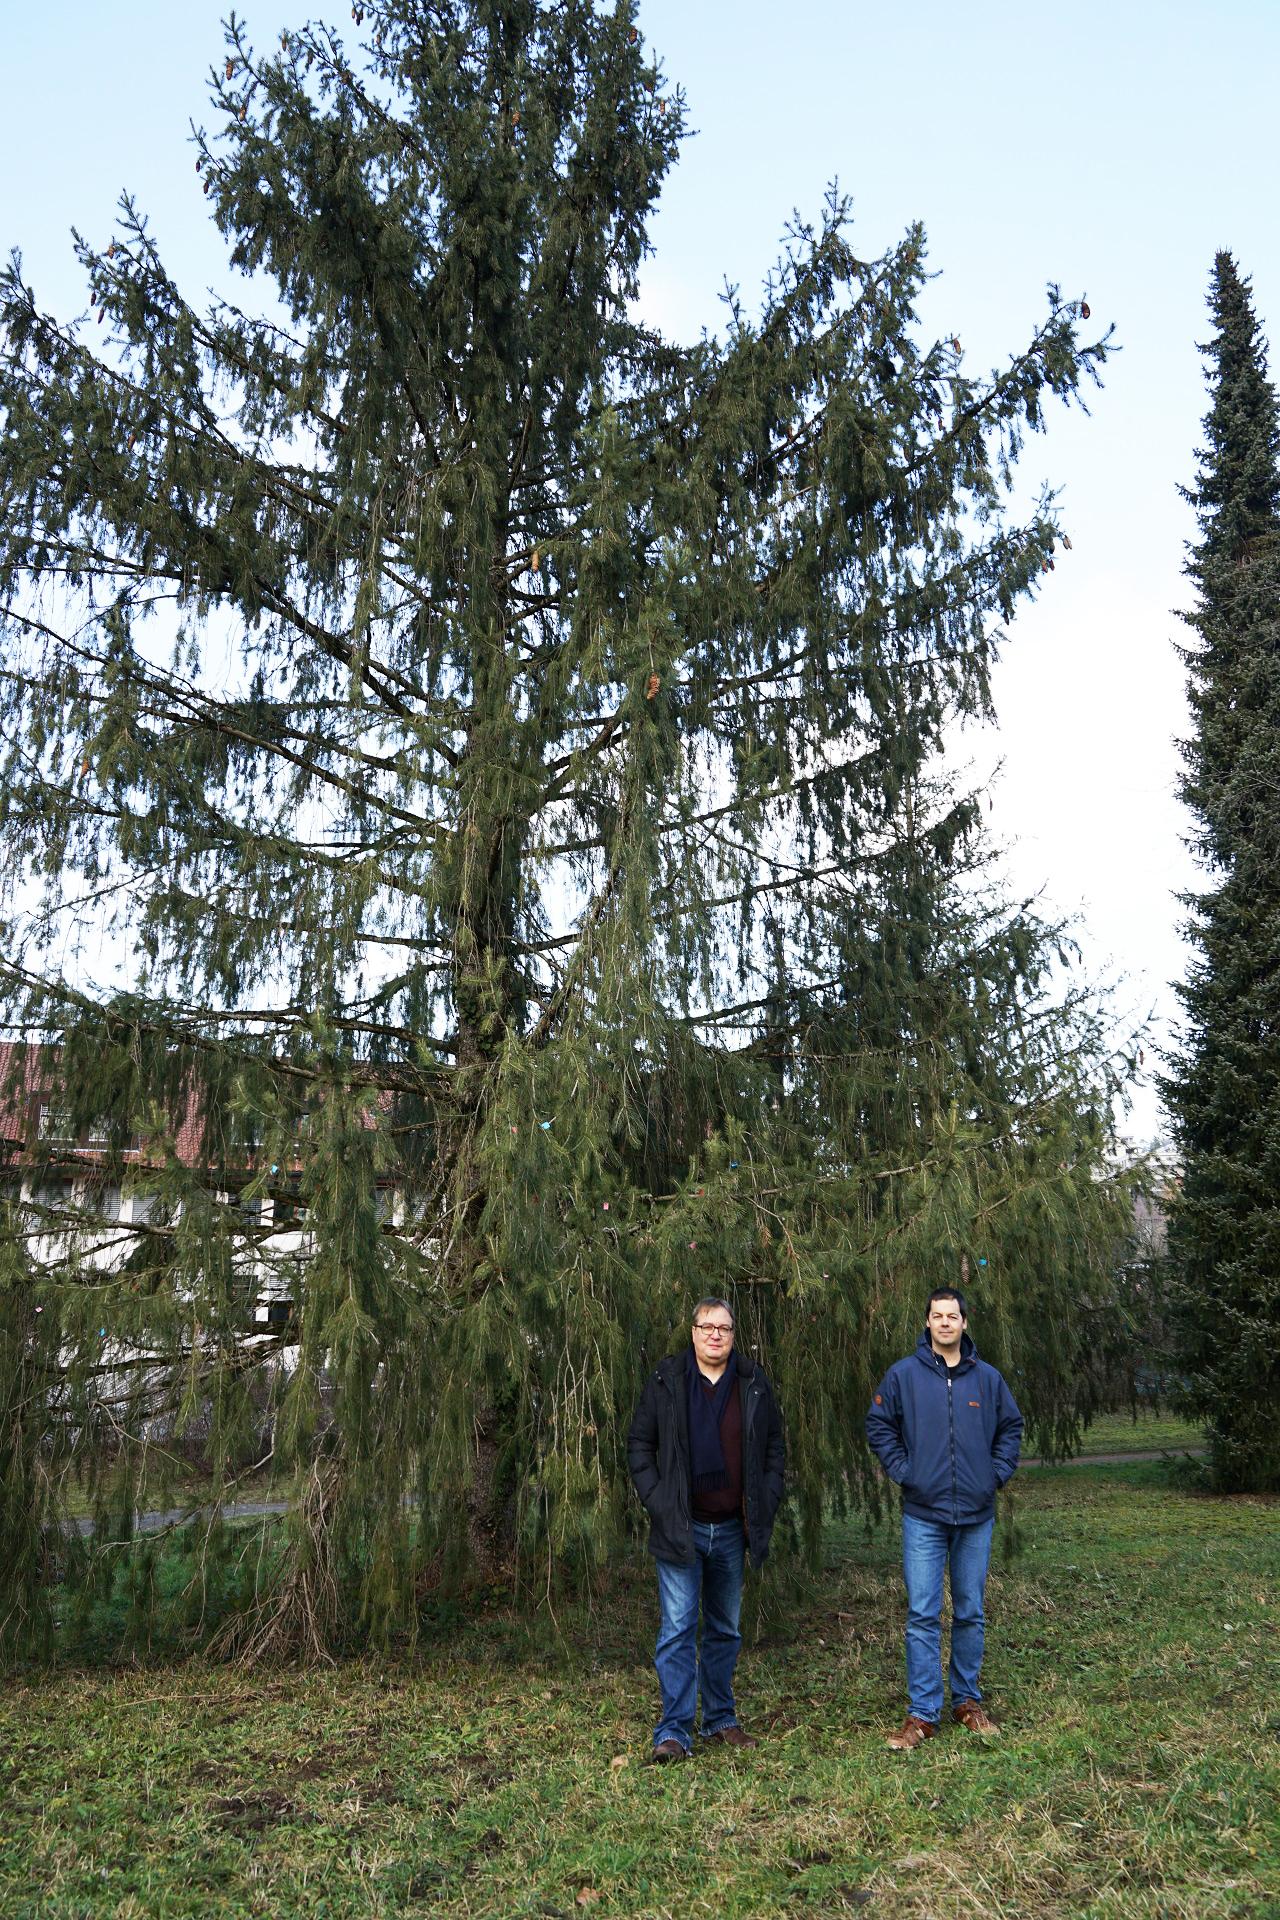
<point x="975" y="1480"/>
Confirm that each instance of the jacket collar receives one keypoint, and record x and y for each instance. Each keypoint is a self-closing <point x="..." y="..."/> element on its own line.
<point x="676" y="1366"/>
<point x="925" y="1352"/>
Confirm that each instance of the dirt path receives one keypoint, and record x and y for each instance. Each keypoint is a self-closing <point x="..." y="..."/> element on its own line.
<point x="259" y="1509"/>
<point x="1118" y="1459"/>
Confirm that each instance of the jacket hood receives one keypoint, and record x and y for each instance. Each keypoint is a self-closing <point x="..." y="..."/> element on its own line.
<point x="925" y="1352"/>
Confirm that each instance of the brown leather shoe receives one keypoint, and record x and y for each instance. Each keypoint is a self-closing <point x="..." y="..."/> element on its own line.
<point x="666" y="1751"/>
<point x="731" y="1737"/>
<point x="911" y="1734"/>
<point x="974" y="1716"/>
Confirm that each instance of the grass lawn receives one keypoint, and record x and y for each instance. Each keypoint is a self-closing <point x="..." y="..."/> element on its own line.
<point x="1131" y="1657"/>
<point x="1121" y="1433"/>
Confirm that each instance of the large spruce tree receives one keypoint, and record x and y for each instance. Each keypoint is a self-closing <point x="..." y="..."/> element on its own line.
<point x="484" y="749"/>
<point x="1224" y="1088"/>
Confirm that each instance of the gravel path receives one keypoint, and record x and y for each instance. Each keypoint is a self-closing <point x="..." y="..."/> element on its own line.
<point x="174" y="1516"/>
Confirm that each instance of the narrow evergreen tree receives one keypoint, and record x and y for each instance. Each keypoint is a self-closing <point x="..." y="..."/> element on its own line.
<point x="1224" y="1088"/>
<point x="489" y="732"/>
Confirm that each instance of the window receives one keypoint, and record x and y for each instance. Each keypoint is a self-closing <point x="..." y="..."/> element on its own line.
<point x="290" y="1209"/>
<point x="54" y="1123"/>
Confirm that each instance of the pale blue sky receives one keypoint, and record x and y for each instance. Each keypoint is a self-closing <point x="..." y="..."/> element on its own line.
<point x="1113" y="148"/>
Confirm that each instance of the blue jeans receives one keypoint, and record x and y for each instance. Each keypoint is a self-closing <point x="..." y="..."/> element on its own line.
<point x="684" y="1667"/>
<point x="929" y="1549"/>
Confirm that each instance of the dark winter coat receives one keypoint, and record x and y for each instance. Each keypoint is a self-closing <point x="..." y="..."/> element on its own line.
<point x="658" y="1456"/>
<point x="948" y="1436"/>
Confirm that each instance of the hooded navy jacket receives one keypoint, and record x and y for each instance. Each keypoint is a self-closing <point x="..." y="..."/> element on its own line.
<point x="948" y="1436"/>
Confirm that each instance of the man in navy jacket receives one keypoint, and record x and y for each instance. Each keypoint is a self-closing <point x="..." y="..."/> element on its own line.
<point x="947" y="1430"/>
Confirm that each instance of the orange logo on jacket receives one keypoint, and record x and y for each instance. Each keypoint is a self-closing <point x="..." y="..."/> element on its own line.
<point x="975" y="1403"/>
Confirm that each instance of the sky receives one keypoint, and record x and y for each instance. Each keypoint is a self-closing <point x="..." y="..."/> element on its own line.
<point x="1112" y="149"/>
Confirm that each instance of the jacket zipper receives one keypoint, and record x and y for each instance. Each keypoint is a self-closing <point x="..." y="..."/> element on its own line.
<point x="951" y="1433"/>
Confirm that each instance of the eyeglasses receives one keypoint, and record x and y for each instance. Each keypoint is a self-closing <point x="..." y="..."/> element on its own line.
<point x="712" y="1328"/>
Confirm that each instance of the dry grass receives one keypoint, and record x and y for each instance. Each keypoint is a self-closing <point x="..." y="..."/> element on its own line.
<point x="1132" y="1658"/>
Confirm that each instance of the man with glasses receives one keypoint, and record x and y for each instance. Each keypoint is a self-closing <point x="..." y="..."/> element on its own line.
<point x="706" y="1455"/>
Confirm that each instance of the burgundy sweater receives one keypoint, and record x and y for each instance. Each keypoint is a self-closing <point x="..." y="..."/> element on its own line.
<point x="726" y="1502"/>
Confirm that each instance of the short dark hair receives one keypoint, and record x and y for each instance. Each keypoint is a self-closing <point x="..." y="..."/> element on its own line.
<point x="947" y="1293"/>
<point x="714" y="1300"/>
